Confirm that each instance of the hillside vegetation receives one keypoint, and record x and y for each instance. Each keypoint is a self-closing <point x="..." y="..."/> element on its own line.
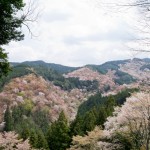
<point x="51" y="108"/>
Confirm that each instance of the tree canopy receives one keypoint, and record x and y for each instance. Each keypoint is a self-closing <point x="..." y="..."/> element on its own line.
<point x="10" y="24"/>
<point x="10" y="28"/>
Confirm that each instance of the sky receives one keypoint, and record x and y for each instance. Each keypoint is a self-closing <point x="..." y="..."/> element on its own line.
<point x="76" y="33"/>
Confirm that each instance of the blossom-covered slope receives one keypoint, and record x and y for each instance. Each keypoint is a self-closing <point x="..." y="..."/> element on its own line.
<point x="43" y="94"/>
<point x="38" y="87"/>
<point x="86" y="73"/>
<point x="116" y="75"/>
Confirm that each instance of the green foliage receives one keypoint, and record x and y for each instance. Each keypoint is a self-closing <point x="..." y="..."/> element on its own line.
<point x="70" y="83"/>
<point x="58" y="68"/>
<point x="121" y="96"/>
<point x="89" y="121"/>
<point x="95" y="110"/>
<point x="59" y="134"/>
<point x="111" y="65"/>
<point x="106" y="88"/>
<point x="17" y="71"/>
<point x="33" y="138"/>
<point x="41" y="118"/>
<point x="109" y="104"/>
<point x="95" y="114"/>
<point x="49" y="74"/>
<point x="97" y="100"/>
<point x="28" y="105"/>
<point x="10" y="29"/>
<point x="77" y="126"/>
<point x="102" y="115"/>
<point x="25" y="69"/>
<point x="129" y="140"/>
<point x="41" y="141"/>
<point x="8" y="120"/>
<point x="38" y="140"/>
<point x="123" y="78"/>
<point x="31" y="124"/>
<point x="124" y="141"/>
<point x="25" y="133"/>
<point x="10" y="23"/>
<point x="147" y="66"/>
<point x="93" y="101"/>
<point x="4" y="64"/>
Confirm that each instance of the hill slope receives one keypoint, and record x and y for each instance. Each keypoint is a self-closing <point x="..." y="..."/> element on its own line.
<point x="56" y="67"/>
<point x="46" y="87"/>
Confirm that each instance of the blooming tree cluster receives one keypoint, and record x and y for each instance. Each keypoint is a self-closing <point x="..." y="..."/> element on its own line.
<point x="132" y="121"/>
<point x="10" y="141"/>
<point x="128" y="128"/>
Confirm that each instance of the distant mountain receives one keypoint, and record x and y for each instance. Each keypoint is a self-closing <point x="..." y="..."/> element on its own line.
<point x="50" y="72"/>
<point x="38" y="68"/>
<point x="114" y="75"/>
<point x="147" y="60"/>
<point x="110" y="75"/>
<point x="60" y="87"/>
<point x="59" y="68"/>
<point x="110" y="65"/>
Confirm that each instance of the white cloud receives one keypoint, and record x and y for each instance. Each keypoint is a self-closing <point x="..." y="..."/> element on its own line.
<point x="75" y="32"/>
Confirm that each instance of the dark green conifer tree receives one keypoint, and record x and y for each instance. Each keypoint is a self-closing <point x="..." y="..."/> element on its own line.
<point x="102" y="115"/>
<point x="110" y="104"/>
<point x="59" y="134"/>
<point x="42" y="142"/>
<point x="89" y="121"/>
<point x="33" y="139"/>
<point x="76" y="126"/>
<point x="8" y="120"/>
<point x="10" y="24"/>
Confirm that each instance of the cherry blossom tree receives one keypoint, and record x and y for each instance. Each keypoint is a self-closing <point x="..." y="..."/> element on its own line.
<point x="95" y="140"/>
<point x="10" y="141"/>
<point x="128" y="128"/>
<point x="132" y="121"/>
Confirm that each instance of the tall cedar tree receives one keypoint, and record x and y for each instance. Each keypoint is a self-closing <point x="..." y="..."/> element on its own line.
<point x="10" y="28"/>
<point x="77" y="126"/>
<point x="89" y="121"/>
<point x="8" y="120"/>
<point x="59" y="134"/>
<point x="42" y="143"/>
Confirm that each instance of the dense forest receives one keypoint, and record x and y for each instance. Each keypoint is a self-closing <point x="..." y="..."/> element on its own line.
<point x="36" y="125"/>
<point x="48" y="73"/>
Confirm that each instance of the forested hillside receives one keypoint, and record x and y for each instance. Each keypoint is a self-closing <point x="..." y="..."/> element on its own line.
<point x="48" y="106"/>
<point x="53" y="109"/>
<point x="56" y="67"/>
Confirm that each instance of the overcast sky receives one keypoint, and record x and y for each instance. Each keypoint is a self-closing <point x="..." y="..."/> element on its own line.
<point x="75" y="33"/>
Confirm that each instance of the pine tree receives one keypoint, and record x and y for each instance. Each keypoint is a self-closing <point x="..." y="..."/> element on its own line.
<point x="25" y="132"/>
<point x="110" y="104"/>
<point x="102" y="115"/>
<point x="42" y="143"/>
<point x="59" y="134"/>
<point x="33" y="139"/>
<point x="77" y="126"/>
<point x="89" y="121"/>
<point x="8" y="120"/>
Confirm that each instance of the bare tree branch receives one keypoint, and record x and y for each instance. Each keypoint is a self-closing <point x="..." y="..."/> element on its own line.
<point x="30" y="15"/>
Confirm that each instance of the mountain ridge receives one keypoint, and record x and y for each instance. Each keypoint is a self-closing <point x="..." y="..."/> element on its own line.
<point x="58" y="91"/>
<point x="55" y="66"/>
